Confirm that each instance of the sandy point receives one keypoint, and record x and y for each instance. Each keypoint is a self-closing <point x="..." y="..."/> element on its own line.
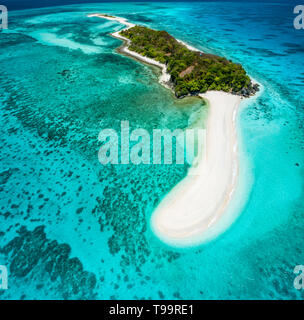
<point x="199" y="200"/>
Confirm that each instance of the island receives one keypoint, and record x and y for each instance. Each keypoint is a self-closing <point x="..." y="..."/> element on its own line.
<point x="191" y="72"/>
<point x="195" y="204"/>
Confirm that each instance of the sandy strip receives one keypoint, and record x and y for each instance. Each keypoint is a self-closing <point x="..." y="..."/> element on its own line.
<point x="188" y="46"/>
<point x="118" y="19"/>
<point x="200" y="199"/>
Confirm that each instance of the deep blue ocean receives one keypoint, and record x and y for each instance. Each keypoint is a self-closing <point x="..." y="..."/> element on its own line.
<point x="71" y="228"/>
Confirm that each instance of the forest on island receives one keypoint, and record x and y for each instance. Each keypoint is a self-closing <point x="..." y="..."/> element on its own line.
<point x="191" y="72"/>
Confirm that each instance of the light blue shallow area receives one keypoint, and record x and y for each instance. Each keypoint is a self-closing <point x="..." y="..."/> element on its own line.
<point x="71" y="228"/>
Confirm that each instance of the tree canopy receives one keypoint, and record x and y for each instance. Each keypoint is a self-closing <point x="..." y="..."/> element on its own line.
<point x="191" y="72"/>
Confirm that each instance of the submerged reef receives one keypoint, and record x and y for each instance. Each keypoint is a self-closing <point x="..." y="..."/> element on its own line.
<point x="32" y="255"/>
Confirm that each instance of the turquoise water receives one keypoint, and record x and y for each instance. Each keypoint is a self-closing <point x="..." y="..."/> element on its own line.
<point x="71" y="228"/>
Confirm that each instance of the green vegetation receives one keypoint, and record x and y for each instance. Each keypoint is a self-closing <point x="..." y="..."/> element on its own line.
<point x="191" y="72"/>
<point x="107" y="15"/>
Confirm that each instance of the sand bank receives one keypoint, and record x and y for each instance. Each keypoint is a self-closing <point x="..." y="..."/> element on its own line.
<point x="199" y="200"/>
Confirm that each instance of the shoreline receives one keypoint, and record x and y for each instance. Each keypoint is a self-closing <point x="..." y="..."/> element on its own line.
<point x="200" y="199"/>
<point x="197" y="202"/>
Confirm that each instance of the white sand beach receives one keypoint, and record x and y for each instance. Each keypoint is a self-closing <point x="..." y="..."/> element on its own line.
<point x="188" y="46"/>
<point x="108" y="17"/>
<point x="200" y="199"/>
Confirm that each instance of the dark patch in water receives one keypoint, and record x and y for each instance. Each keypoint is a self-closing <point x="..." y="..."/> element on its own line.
<point x="11" y="39"/>
<point x="32" y="254"/>
<point x="295" y="50"/>
<point x="267" y="52"/>
<point x="5" y="175"/>
<point x="291" y="45"/>
<point x="137" y="17"/>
